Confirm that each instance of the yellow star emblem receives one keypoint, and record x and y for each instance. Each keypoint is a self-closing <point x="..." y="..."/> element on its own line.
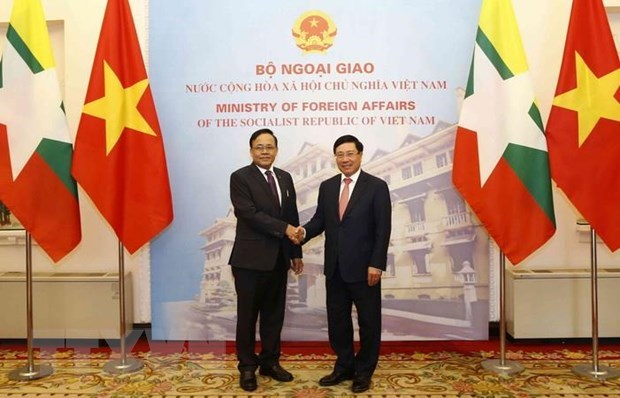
<point x="592" y="99"/>
<point x="119" y="108"/>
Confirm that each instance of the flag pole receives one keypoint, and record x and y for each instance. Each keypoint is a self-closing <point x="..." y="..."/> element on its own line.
<point x="123" y="365"/>
<point x="501" y="365"/>
<point x="594" y="370"/>
<point x="30" y="371"/>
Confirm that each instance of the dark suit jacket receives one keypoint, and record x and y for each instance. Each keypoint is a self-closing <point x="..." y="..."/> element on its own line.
<point x="261" y="223"/>
<point x="362" y="238"/>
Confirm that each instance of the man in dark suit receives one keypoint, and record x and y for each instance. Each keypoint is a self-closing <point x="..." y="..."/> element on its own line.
<point x="354" y="210"/>
<point x="264" y="202"/>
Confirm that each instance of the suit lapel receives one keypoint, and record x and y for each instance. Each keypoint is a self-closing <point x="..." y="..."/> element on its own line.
<point x="284" y="189"/>
<point x="333" y="196"/>
<point x="260" y="179"/>
<point x="356" y="194"/>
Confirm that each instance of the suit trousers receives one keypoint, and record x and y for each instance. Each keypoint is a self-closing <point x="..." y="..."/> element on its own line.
<point x="341" y="296"/>
<point x="260" y="295"/>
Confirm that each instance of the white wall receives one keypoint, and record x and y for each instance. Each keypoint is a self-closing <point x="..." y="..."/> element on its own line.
<point x="543" y="26"/>
<point x="75" y="30"/>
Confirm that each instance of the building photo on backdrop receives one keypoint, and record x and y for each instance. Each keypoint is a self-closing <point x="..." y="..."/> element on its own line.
<point x="311" y="76"/>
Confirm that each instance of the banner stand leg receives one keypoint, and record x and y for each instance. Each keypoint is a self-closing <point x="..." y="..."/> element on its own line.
<point x="30" y="371"/>
<point x="594" y="370"/>
<point x="123" y="365"/>
<point x="501" y="365"/>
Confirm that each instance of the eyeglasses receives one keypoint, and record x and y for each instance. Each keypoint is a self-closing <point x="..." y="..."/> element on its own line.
<point x="343" y="155"/>
<point x="261" y="148"/>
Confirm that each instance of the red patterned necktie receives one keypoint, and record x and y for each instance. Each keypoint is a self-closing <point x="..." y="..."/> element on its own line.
<point x="344" y="197"/>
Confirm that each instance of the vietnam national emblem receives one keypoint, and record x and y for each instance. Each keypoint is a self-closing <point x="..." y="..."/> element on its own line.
<point x="314" y="32"/>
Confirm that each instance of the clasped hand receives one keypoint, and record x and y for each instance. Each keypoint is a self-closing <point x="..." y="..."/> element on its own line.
<point x="295" y="234"/>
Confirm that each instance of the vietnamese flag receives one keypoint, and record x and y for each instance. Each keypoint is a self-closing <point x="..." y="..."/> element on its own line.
<point x="35" y="146"/>
<point x="584" y="123"/>
<point x="119" y="152"/>
<point x="501" y="164"/>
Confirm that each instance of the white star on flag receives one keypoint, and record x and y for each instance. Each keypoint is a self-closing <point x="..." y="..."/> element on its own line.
<point x="26" y="130"/>
<point x="505" y="120"/>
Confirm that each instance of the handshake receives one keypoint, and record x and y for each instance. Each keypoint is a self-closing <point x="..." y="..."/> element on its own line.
<point x="295" y="234"/>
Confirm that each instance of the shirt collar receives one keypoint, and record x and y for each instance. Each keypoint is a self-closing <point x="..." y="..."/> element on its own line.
<point x="264" y="170"/>
<point x="353" y="178"/>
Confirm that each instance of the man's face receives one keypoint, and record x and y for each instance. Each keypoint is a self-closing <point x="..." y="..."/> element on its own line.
<point x="264" y="150"/>
<point x="348" y="158"/>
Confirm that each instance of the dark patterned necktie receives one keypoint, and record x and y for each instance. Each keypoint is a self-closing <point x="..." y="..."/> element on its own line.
<point x="272" y="185"/>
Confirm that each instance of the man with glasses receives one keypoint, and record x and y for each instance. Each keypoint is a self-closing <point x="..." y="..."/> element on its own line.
<point x="265" y="205"/>
<point x="354" y="210"/>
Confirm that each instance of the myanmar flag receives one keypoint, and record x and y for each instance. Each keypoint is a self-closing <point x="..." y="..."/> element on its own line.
<point x="119" y="151"/>
<point x="501" y="164"/>
<point x="584" y="123"/>
<point x="35" y="147"/>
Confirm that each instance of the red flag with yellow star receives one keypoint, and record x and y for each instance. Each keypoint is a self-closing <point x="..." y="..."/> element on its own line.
<point x="119" y="157"/>
<point x="583" y="130"/>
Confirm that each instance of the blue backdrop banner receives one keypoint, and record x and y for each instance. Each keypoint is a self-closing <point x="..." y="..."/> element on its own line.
<point x="392" y="73"/>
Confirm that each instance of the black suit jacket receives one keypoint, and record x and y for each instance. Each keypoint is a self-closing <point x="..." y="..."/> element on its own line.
<point x="362" y="238"/>
<point x="261" y="222"/>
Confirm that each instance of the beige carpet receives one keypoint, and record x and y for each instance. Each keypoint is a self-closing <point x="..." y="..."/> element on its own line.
<point x="434" y="374"/>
